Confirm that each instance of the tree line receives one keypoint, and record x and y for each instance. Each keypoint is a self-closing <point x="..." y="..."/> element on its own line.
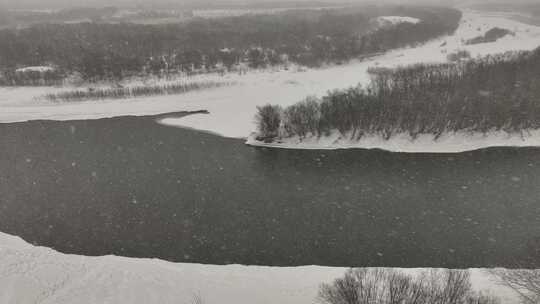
<point x="498" y="92"/>
<point x="308" y="37"/>
<point x="130" y="92"/>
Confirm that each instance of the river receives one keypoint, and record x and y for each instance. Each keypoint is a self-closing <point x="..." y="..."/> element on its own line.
<point x="132" y="187"/>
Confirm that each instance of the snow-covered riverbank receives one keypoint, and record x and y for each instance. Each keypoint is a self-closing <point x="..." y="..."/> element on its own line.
<point x="233" y="115"/>
<point x="447" y="143"/>
<point x="30" y="274"/>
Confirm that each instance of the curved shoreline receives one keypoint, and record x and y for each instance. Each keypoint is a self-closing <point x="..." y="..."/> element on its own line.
<point x="35" y="274"/>
<point x="403" y="143"/>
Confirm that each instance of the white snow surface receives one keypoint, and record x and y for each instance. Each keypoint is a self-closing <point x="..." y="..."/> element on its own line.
<point x="393" y="20"/>
<point x="425" y="143"/>
<point x="40" y="69"/>
<point x="232" y="109"/>
<point x="38" y="275"/>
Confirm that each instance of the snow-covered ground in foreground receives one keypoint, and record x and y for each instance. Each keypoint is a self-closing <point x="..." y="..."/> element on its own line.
<point x="232" y="109"/>
<point x="38" y="275"/>
<point x="426" y="143"/>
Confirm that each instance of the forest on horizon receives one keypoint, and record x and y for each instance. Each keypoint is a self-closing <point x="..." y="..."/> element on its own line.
<point x="100" y="51"/>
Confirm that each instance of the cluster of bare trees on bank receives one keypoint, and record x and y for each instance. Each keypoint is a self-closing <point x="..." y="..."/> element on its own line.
<point x="500" y="92"/>
<point x="389" y="286"/>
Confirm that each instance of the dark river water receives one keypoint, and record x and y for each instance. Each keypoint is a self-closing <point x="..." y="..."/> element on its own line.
<point x="129" y="186"/>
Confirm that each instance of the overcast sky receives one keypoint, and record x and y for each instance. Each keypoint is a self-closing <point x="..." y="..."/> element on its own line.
<point x="41" y="4"/>
<point x="71" y="3"/>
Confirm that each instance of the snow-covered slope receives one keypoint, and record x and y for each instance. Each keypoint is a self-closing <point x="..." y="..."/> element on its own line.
<point x="232" y="108"/>
<point x="38" y="275"/>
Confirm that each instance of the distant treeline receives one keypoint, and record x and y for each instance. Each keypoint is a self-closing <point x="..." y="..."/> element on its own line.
<point x="499" y="92"/>
<point x="107" y="14"/>
<point x="129" y="92"/>
<point x="307" y="37"/>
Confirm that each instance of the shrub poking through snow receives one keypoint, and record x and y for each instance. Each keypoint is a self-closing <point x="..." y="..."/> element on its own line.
<point x="492" y="35"/>
<point x="458" y="56"/>
<point x="496" y="93"/>
<point x="130" y="92"/>
<point x="388" y="286"/>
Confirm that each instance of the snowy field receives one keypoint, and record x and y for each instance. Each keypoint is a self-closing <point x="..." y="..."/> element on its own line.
<point x="30" y="274"/>
<point x="232" y="109"/>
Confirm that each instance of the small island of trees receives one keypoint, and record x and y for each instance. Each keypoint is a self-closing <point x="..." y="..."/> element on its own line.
<point x="494" y="93"/>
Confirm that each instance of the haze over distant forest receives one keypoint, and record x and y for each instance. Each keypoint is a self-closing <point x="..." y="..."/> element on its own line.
<point x="43" y="4"/>
<point x="68" y="3"/>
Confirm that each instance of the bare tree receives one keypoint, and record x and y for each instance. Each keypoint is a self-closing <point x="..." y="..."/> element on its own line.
<point x="525" y="282"/>
<point x="445" y="286"/>
<point x="268" y="120"/>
